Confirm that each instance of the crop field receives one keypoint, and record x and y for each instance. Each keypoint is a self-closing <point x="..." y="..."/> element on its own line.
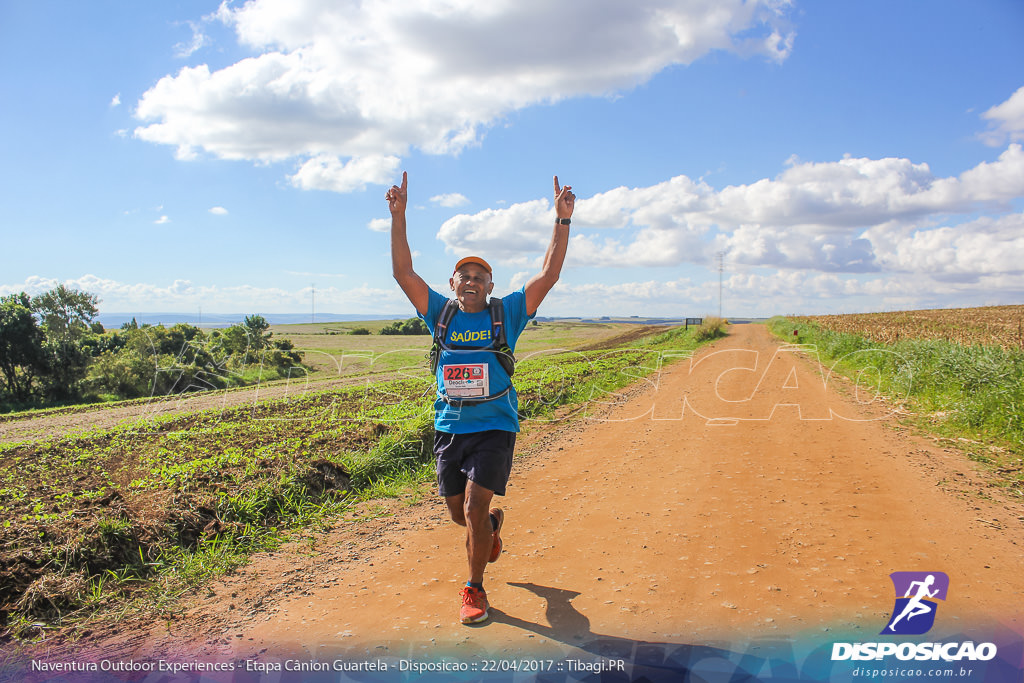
<point x="1001" y="326"/>
<point x="151" y="507"/>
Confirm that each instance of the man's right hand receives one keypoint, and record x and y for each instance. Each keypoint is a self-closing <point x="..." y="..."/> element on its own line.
<point x="397" y="197"/>
<point x="401" y="256"/>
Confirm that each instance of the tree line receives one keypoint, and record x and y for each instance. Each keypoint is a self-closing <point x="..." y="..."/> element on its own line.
<point x="54" y="352"/>
<point x="409" y="326"/>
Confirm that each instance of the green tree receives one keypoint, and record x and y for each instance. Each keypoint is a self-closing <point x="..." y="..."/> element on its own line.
<point x="21" y="346"/>
<point x="284" y="354"/>
<point x="414" y="326"/>
<point x="66" y="316"/>
<point x="231" y="341"/>
<point x="410" y="326"/>
<point x="256" y="327"/>
<point x="126" y="373"/>
<point x="66" y="365"/>
<point x="66" y="313"/>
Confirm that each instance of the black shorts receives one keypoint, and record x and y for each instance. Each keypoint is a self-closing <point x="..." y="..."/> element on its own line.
<point x="483" y="457"/>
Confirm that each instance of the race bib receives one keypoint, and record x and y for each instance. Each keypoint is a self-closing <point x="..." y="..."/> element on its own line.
<point x="466" y="381"/>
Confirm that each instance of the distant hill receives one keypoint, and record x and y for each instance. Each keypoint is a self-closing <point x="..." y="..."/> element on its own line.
<point x="112" y="321"/>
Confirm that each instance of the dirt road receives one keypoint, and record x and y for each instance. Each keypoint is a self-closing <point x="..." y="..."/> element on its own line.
<point x="733" y="497"/>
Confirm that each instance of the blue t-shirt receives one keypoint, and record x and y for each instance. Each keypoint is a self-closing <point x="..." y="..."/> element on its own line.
<point x="473" y="372"/>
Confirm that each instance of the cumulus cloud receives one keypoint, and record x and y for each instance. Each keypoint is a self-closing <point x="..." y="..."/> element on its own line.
<point x="450" y="200"/>
<point x="380" y="225"/>
<point x="1006" y="120"/>
<point x="115" y="101"/>
<point x="330" y="82"/>
<point x="964" y="252"/>
<point x="105" y="288"/>
<point x="517" y="229"/>
<point x="326" y="172"/>
<point x="219" y="211"/>
<point x="162" y="220"/>
<point x="184" y="296"/>
<point x="853" y="215"/>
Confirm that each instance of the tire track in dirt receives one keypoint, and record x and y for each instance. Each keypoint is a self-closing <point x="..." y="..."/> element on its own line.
<point x="703" y="504"/>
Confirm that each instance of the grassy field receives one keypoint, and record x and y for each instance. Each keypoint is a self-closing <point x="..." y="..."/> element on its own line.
<point x="961" y="378"/>
<point x="331" y="350"/>
<point x="133" y="516"/>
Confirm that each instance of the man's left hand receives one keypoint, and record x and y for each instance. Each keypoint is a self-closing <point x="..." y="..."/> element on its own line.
<point x="565" y="200"/>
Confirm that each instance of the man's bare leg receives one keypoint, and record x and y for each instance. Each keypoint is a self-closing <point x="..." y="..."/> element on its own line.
<point x="472" y="510"/>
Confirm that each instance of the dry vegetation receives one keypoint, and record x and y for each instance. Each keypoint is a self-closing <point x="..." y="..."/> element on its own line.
<point x="1001" y="326"/>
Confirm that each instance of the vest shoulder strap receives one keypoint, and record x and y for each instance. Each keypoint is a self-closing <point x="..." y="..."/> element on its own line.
<point x="440" y="332"/>
<point x="497" y="309"/>
<point x="445" y="319"/>
<point x="499" y="340"/>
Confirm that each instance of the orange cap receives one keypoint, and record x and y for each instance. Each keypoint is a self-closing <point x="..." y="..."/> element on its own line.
<point x="474" y="259"/>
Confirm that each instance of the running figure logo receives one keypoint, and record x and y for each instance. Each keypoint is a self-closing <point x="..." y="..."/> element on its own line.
<point x="914" y="612"/>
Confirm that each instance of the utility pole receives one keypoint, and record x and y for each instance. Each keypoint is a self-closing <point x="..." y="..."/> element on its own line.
<point x="721" y="268"/>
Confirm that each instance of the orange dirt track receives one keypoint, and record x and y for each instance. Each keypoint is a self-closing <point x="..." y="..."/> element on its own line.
<point x="733" y="498"/>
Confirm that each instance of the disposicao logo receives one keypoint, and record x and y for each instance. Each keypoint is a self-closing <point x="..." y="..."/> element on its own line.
<point x="913" y="614"/>
<point x="916" y="606"/>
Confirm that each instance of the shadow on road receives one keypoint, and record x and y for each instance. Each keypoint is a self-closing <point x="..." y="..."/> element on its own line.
<point x="654" y="661"/>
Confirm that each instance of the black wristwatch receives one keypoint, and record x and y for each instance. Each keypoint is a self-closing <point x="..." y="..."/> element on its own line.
<point x="563" y="221"/>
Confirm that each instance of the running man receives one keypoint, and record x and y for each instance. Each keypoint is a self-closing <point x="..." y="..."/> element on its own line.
<point x="915" y="606"/>
<point x="476" y="413"/>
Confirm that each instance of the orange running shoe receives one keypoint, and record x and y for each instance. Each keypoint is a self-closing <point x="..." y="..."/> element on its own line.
<point x="496" y="543"/>
<point x="474" y="605"/>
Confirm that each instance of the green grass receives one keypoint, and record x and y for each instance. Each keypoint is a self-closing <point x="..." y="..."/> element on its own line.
<point x="961" y="392"/>
<point x="330" y="350"/>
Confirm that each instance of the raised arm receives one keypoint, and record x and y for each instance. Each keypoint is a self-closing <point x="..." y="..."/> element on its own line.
<point x="401" y="257"/>
<point x="541" y="283"/>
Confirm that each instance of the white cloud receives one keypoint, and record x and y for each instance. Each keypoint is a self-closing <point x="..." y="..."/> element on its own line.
<point x="965" y="252"/>
<point x="380" y="225"/>
<point x="783" y="291"/>
<point x="850" y="216"/>
<point x="326" y="172"/>
<point x="1006" y="120"/>
<point x="505" y="233"/>
<point x="199" y="40"/>
<point x="333" y="81"/>
<point x="219" y="211"/>
<point x="450" y="200"/>
<point x="115" y="101"/>
<point x="162" y="220"/>
<point x="184" y="296"/>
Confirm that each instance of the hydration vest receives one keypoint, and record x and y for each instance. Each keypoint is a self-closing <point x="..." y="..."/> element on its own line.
<point x="499" y="345"/>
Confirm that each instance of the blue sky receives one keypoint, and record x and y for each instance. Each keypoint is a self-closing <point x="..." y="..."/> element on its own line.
<point x="841" y="156"/>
